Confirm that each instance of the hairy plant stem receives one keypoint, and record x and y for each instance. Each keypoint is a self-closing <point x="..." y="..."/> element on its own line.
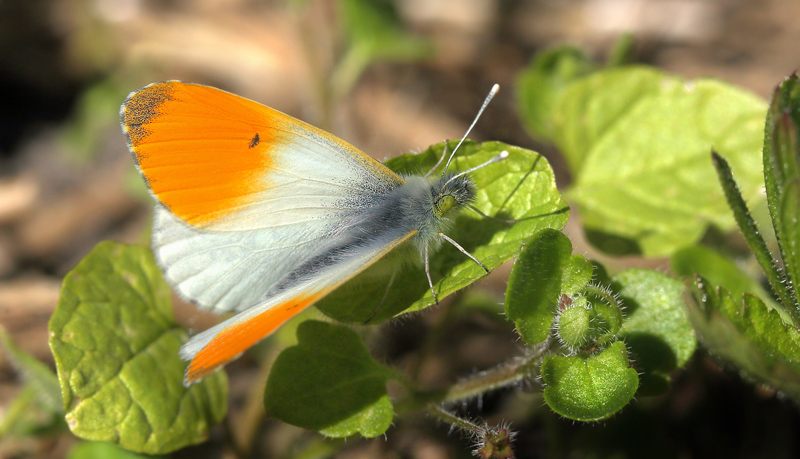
<point x="450" y="418"/>
<point x="503" y="375"/>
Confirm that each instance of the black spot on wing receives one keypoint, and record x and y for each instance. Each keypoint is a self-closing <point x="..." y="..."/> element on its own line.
<point x="254" y="141"/>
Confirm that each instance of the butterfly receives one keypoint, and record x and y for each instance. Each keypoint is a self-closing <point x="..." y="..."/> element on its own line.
<point x="261" y="214"/>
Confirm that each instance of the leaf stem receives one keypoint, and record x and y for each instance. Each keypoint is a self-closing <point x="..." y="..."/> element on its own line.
<point x="512" y="372"/>
<point x="504" y="375"/>
<point x="452" y="419"/>
<point x="753" y="237"/>
<point x="252" y="415"/>
<point x="244" y="429"/>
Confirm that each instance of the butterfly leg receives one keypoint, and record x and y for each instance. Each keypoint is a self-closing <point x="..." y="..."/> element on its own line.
<point x="428" y="273"/>
<point x="456" y="245"/>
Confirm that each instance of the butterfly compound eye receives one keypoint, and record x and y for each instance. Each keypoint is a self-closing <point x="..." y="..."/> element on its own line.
<point x="443" y="204"/>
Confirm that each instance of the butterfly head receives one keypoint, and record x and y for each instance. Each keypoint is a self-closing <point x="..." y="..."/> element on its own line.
<point x="452" y="192"/>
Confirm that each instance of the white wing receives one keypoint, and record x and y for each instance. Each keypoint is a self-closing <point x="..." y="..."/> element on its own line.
<point x="259" y="212"/>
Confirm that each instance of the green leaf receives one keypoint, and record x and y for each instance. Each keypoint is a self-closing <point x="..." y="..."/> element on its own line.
<point x="543" y="82"/>
<point x="116" y="343"/>
<point x="542" y="273"/>
<point x="790" y="232"/>
<point x="486" y="301"/>
<point x="719" y="270"/>
<point x="748" y="334"/>
<point x="521" y="187"/>
<point x="589" y="388"/>
<point x="329" y="383"/>
<point x="656" y="328"/>
<point x="534" y="286"/>
<point x="637" y="142"/>
<point x="576" y="275"/>
<point x="782" y="176"/>
<point x="103" y="450"/>
<point x="780" y="137"/>
<point x="14" y="413"/>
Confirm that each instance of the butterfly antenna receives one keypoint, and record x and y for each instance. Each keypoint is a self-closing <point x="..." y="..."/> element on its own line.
<point x="488" y="99"/>
<point x="444" y="154"/>
<point x="499" y="157"/>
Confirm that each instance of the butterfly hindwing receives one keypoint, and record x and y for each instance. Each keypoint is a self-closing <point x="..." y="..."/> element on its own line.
<point x="222" y="343"/>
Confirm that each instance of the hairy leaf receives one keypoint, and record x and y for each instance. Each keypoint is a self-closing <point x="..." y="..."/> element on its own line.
<point x="115" y="343"/>
<point x="637" y="141"/>
<point x="328" y="382"/>
<point x="782" y="176"/>
<point x="542" y="273"/>
<point x="720" y="270"/>
<point x="589" y="388"/>
<point x="656" y="328"/>
<point x="747" y="333"/>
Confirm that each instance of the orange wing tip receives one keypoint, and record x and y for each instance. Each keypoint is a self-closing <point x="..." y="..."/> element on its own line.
<point x="233" y="340"/>
<point x="142" y="106"/>
<point x="203" y="152"/>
